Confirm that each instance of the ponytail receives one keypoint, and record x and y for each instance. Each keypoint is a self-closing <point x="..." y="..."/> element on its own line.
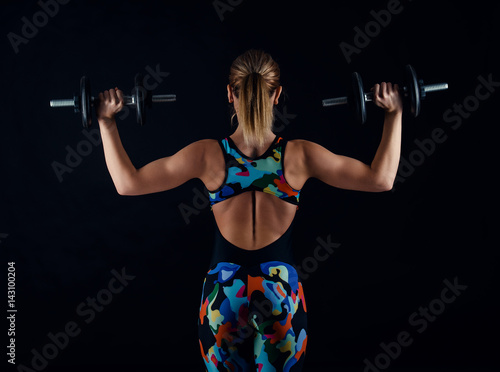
<point x="255" y="109"/>
<point x="254" y="77"/>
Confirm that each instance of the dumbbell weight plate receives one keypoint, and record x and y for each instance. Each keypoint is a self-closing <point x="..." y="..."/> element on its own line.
<point x="413" y="90"/>
<point x="85" y="104"/>
<point x="357" y="104"/>
<point x="140" y="99"/>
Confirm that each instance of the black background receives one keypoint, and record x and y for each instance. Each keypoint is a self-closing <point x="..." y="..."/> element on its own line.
<point x="396" y="248"/>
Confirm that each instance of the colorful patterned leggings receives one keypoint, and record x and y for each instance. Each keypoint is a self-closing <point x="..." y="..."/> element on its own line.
<point x="253" y="318"/>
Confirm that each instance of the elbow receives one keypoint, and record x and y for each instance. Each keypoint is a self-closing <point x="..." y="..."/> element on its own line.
<point x="122" y="192"/>
<point x="383" y="184"/>
<point x="125" y="189"/>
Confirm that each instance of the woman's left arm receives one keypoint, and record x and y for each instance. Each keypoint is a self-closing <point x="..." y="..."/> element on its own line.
<point x="169" y="172"/>
<point x="159" y="175"/>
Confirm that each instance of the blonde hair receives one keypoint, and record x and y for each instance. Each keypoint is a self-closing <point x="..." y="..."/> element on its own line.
<point x="254" y="77"/>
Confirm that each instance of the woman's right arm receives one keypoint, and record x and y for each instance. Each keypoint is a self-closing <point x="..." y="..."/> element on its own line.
<point x="348" y="173"/>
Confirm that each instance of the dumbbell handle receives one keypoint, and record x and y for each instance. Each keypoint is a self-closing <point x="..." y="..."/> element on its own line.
<point x="128" y="100"/>
<point x="435" y="87"/>
<point x="369" y="96"/>
<point x="159" y="98"/>
<point x="62" y="102"/>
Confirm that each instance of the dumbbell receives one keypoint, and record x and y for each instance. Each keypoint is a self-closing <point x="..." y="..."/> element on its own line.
<point x="414" y="91"/>
<point x="140" y="99"/>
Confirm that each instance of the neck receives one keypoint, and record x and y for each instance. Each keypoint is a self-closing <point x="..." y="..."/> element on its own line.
<point x="252" y="150"/>
<point x="237" y="136"/>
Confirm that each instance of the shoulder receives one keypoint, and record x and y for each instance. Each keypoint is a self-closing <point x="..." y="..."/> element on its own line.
<point x="198" y="151"/>
<point x="206" y="142"/>
<point x="307" y="148"/>
<point x="310" y="157"/>
<point x="302" y="148"/>
<point x="297" y="161"/>
<point x="206" y="150"/>
<point x="296" y="154"/>
<point x="205" y="145"/>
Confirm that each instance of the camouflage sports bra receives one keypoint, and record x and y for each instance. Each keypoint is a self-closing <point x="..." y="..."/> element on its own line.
<point x="264" y="173"/>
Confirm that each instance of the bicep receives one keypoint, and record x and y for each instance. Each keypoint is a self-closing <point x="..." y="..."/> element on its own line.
<point x="338" y="170"/>
<point x="170" y="172"/>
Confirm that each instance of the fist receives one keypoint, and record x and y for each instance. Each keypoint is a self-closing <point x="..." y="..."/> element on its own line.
<point x="110" y="103"/>
<point x="387" y="96"/>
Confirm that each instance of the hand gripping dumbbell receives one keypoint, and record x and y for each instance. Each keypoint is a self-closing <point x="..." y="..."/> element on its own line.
<point x="140" y="99"/>
<point x="414" y="91"/>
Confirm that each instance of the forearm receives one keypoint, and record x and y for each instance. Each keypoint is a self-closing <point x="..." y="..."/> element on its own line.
<point x="119" y="165"/>
<point x="386" y="161"/>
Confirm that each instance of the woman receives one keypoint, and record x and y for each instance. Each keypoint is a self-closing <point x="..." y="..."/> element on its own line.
<point x="252" y="310"/>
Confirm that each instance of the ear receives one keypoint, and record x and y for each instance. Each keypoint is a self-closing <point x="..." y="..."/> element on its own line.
<point x="230" y="94"/>
<point x="278" y="94"/>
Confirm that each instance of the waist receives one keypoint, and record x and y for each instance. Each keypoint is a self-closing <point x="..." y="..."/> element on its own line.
<point x="279" y="250"/>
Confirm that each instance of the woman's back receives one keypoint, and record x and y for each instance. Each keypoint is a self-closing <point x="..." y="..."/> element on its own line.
<point x="253" y="219"/>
